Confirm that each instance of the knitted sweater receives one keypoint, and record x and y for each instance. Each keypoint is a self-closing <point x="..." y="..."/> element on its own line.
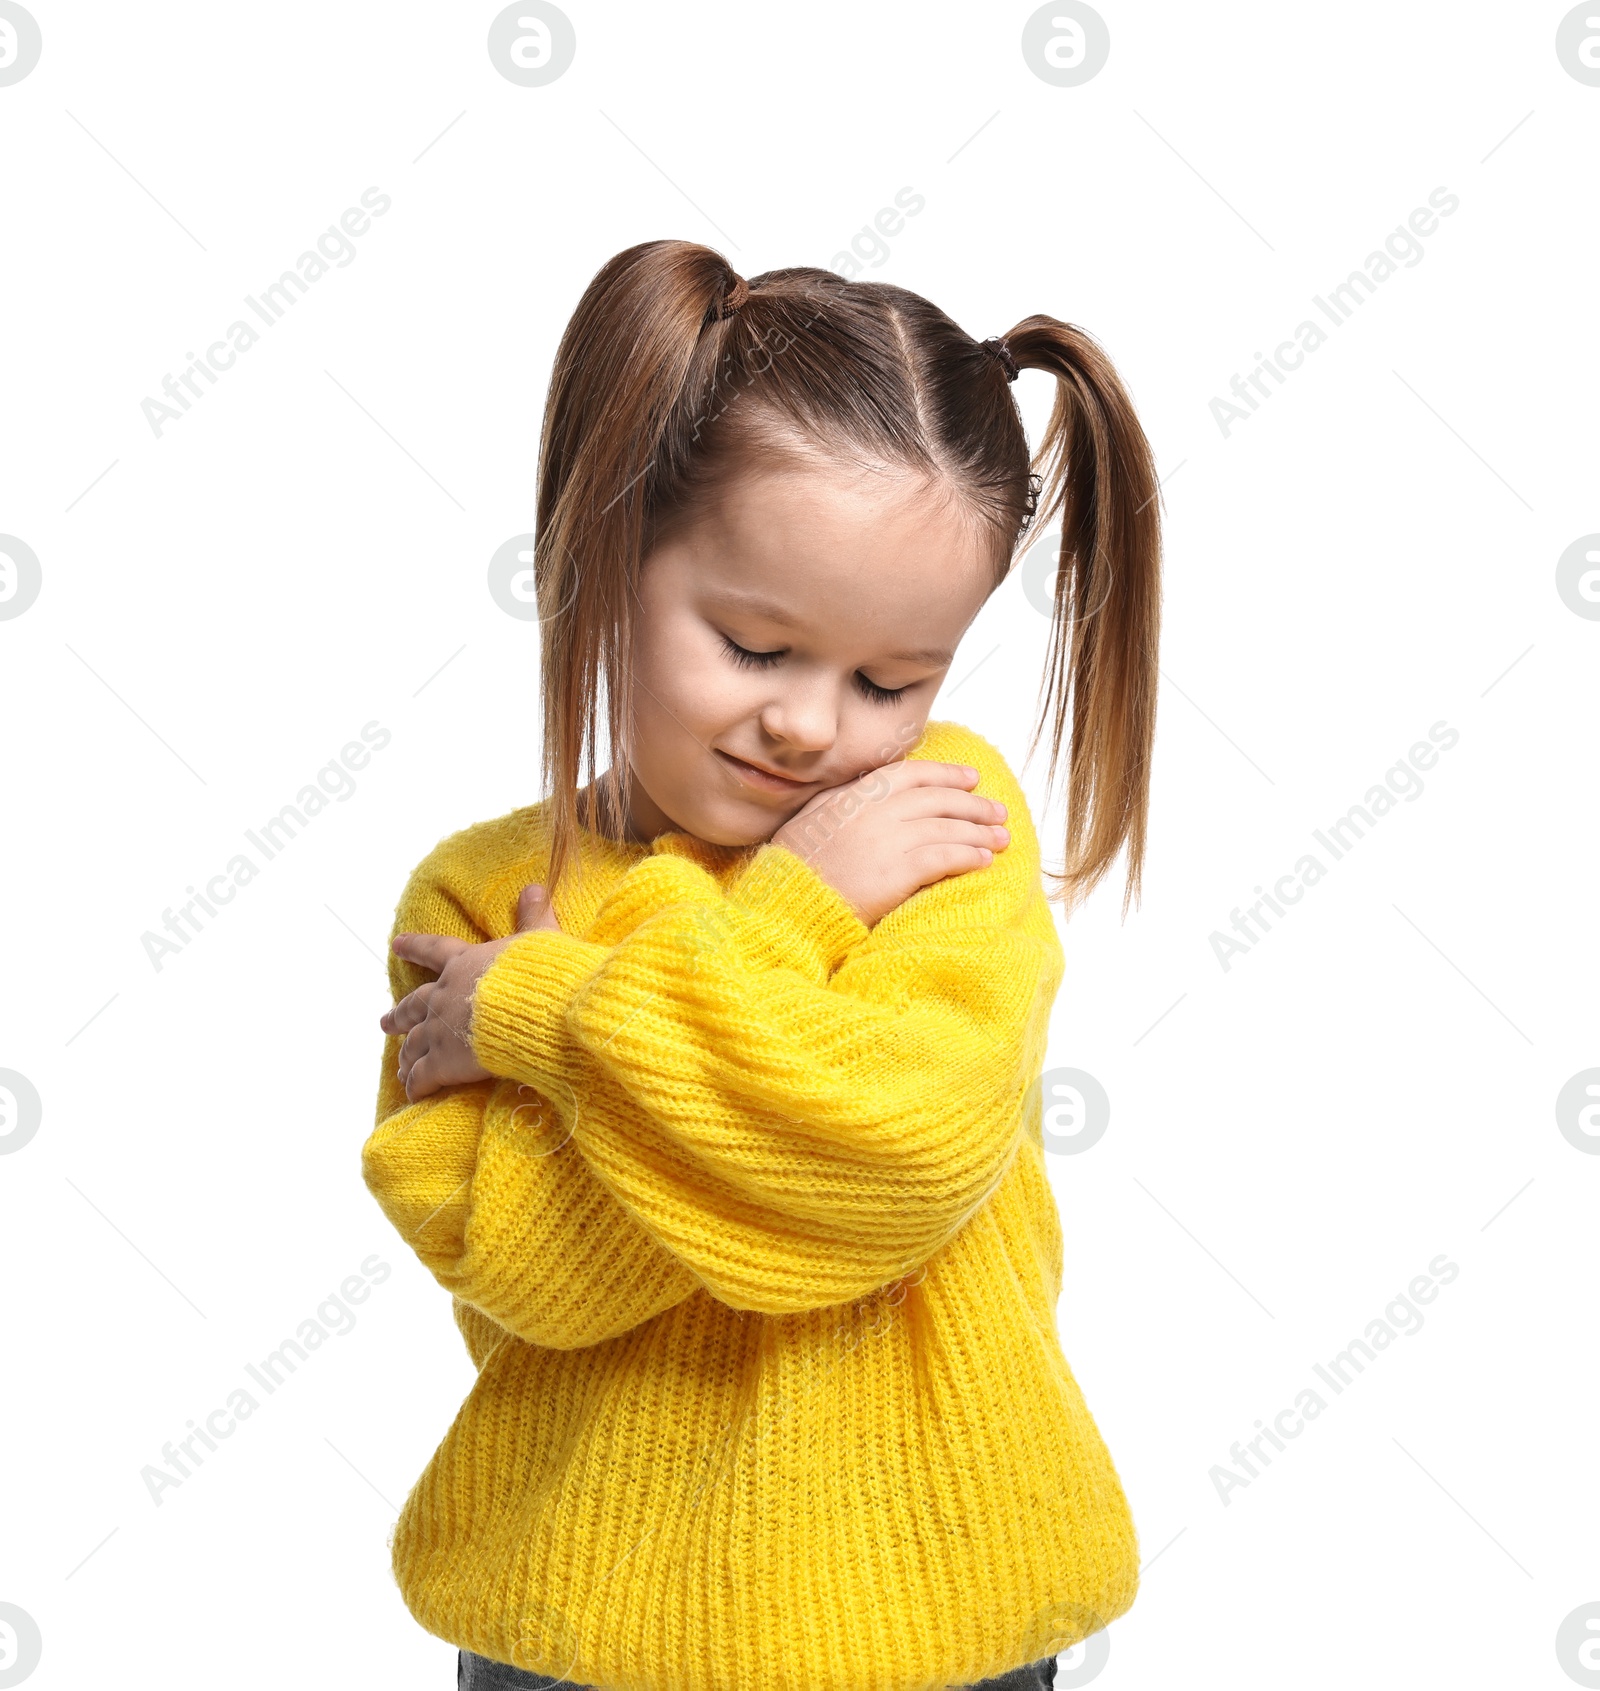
<point x="751" y="1243"/>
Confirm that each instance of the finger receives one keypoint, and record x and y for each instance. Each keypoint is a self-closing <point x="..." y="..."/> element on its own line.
<point x="938" y="862"/>
<point x="944" y="830"/>
<point x="892" y="780"/>
<point x="535" y="911"/>
<point x="420" y="1082"/>
<point x="413" y="1048"/>
<point x="924" y="772"/>
<point x="949" y="801"/>
<point x="430" y="951"/>
<point x="409" y="1012"/>
<point x="443" y="1066"/>
<point x="531" y="904"/>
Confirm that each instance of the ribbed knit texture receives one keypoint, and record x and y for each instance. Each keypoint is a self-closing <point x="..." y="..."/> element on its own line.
<point x="753" y="1249"/>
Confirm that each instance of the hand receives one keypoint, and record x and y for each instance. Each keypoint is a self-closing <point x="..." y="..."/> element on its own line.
<point x="896" y="829"/>
<point x="435" y="1017"/>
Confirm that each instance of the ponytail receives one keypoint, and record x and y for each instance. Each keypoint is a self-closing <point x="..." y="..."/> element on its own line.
<point x="619" y="371"/>
<point x="1099" y="475"/>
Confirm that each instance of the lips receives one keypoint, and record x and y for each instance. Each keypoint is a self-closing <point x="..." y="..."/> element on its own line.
<point x="766" y="780"/>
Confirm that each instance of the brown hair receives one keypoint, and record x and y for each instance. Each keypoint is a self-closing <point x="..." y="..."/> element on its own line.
<point x="673" y="366"/>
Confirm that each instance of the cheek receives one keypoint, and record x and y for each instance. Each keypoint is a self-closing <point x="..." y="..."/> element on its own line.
<point x="684" y="695"/>
<point x="880" y="734"/>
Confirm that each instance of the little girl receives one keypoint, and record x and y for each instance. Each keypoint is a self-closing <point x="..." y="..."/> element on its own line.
<point x="711" y="1089"/>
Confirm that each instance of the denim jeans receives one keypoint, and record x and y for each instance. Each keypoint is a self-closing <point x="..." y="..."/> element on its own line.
<point x="479" y="1673"/>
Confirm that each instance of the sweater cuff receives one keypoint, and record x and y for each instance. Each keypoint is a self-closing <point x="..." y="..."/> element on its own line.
<point x="805" y="923"/>
<point x="519" y="1006"/>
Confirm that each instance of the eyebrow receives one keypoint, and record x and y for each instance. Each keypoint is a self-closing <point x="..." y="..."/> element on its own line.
<point x="774" y="612"/>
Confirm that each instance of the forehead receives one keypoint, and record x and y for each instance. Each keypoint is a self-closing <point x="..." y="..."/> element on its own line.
<point x="856" y="549"/>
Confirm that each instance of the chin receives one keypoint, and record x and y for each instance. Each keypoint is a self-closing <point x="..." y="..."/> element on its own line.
<point x="734" y="834"/>
<point x="744" y="827"/>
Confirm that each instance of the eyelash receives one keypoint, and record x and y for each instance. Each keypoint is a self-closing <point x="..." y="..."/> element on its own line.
<point x="747" y="659"/>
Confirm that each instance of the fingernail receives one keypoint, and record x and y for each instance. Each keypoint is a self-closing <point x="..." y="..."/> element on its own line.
<point x="1003" y="833"/>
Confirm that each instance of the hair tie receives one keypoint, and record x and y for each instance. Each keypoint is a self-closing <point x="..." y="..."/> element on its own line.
<point x="996" y="344"/>
<point x="734" y="298"/>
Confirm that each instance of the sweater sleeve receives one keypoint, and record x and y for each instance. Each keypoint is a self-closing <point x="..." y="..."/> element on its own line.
<point x="798" y="1110"/>
<point x="484" y="1183"/>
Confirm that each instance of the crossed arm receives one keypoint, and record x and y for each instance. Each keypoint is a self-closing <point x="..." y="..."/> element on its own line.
<point x="741" y="1089"/>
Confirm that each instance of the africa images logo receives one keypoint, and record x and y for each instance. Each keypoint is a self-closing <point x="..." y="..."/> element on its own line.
<point x="20" y="43"/>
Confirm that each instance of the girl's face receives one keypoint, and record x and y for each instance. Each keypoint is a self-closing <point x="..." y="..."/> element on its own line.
<point x="791" y="638"/>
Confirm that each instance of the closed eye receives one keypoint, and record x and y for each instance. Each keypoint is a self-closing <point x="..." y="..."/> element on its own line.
<point x="747" y="659"/>
<point x="878" y="695"/>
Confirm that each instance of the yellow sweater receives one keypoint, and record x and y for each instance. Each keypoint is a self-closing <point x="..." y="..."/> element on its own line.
<point x="754" y="1252"/>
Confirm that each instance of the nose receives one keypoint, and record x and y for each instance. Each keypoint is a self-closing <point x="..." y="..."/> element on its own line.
<point x="804" y="716"/>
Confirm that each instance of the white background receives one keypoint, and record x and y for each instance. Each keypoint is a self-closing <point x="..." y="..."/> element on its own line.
<point x="1292" y="1139"/>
